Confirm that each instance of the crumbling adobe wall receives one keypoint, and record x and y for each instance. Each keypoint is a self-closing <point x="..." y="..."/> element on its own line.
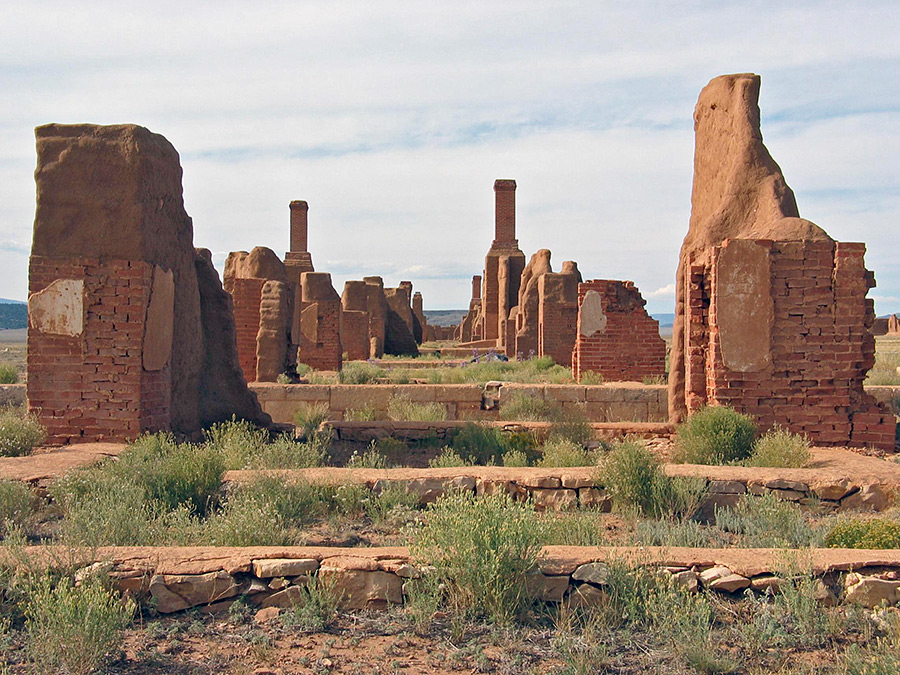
<point x="355" y="320"/>
<point x="771" y="314"/>
<point x="557" y="317"/>
<point x="616" y="338"/>
<point x="320" y="323"/>
<point x="527" y="312"/>
<point x="246" y="274"/>
<point x="116" y="340"/>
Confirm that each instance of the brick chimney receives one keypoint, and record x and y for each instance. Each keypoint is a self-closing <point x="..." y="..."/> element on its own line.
<point x="299" y="211"/>
<point x="505" y="213"/>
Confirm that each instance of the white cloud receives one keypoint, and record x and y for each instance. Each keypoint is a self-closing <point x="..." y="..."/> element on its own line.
<point x="392" y="119"/>
<point x="667" y="291"/>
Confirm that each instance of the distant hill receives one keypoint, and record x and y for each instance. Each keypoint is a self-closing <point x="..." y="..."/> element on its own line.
<point x="665" y="320"/>
<point x="444" y="317"/>
<point x="7" y="301"/>
<point x="13" y="315"/>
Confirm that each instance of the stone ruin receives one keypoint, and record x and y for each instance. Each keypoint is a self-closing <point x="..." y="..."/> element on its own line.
<point x="527" y="310"/>
<point x="129" y="328"/>
<point x="771" y="313"/>
<point x="888" y="325"/>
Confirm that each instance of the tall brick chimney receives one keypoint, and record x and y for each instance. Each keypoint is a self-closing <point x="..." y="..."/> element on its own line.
<point x="505" y="213"/>
<point x="299" y="211"/>
<point x="297" y="259"/>
<point x="476" y="287"/>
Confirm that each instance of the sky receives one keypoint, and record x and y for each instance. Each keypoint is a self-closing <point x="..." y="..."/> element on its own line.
<point x="393" y="118"/>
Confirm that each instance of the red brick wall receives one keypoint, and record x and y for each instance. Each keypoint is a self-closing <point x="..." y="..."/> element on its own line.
<point x="504" y="211"/>
<point x="246" y="295"/>
<point x="630" y="348"/>
<point x="355" y="335"/>
<point x="92" y="387"/>
<point x="821" y="347"/>
<point x="323" y="353"/>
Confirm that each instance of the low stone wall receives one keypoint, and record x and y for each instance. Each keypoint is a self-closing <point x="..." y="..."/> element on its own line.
<point x="176" y="579"/>
<point x="601" y="403"/>
<point x="867" y="484"/>
<point x="363" y="432"/>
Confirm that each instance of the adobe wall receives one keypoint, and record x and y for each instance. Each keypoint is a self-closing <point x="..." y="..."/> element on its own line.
<point x="558" y="314"/>
<point x="123" y="311"/>
<point x="320" y="323"/>
<point x="615" y="337"/>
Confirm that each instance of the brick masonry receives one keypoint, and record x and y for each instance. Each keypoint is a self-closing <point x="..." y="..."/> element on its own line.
<point x="246" y="294"/>
<point x="817" y="349"/>
<point x="92" y="386"/>
<point x="628" y="347"/>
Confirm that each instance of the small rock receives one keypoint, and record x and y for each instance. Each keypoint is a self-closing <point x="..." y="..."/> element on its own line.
<point x="290" y="596"/>
<point x="585" y="595"/>
<point x="266" y="614"/>
<point x="766" y="583"/>
<point x="555" y="499"/>
<point x="868" y="498"/>
<point x="596" y="573"/>
<point x="824" y="595"/>
<point x="730" y="583"/>
<point x="278" y="583"/>
<point x="871" y="592"/>
<point x="686" y="580"/>
<point x="833" y="490"/>
<point x="789" y="495"/>
<point x="782" y="484"/>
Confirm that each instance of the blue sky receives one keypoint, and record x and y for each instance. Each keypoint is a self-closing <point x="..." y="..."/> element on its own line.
<point x="392" y="119"/>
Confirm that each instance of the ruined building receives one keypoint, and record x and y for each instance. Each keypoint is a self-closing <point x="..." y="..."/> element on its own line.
<point x="616" y="338"/>
<point x="771" y="313"/>
<point x="129" y="328"/>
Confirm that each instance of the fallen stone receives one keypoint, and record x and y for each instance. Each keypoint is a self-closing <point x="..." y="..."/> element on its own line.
<point x="833" y="490"/>
<point x="267" y="614"/>
<point x="686" y="580"/>
<point x="869" y="498"/>
<point x="290" y="596"/>
<point x="546" y="588"/>
<point x="595" y="498"/>
<point x="596" y="573"/>
<point x="729" y="583"/>
<point x="766" y="583"/>
<point x="872" y="592"/>
<point x="783" y="484"/>
<point x="585" y="596"/>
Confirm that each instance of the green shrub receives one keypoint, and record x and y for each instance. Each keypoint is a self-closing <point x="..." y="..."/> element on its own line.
<point x="8" y="374"/>
<point x="524" y="408"/>
<point x="575" y="528"/>
<point x="560" y="452"/>
<point x="15" y="505"/>
<point x="480" y="444"/>
<point x="366" y="413"/>
<point x="308" y="419"/>
<point x="359" y="372"/>
<point x="393" y="504"/>
<point x="666" y="532"/>
<point x="285" y="452"/>
<point x="715" y="435"/>
<point x="107" y="513"/>
<point x="72" y="629"/>
<point x="634" y="480"/>
<point x="401" y="409"/>
<point x="317" y="608"/>
<point x="515" y="458"/>
<point x="247" y="519"/>
<point x="780" y="448"/>
<point x="447" y="458"/>
<point x="172" y="474"/>
<point x="20" y="433"/>
<point x="875" y="533"/>
<point x="767" y="521"/>
<point x="371" y="458"/>
<point x="237" y="441"/>
<point x="590" y="377"/>
<point x="482" y="549"/>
